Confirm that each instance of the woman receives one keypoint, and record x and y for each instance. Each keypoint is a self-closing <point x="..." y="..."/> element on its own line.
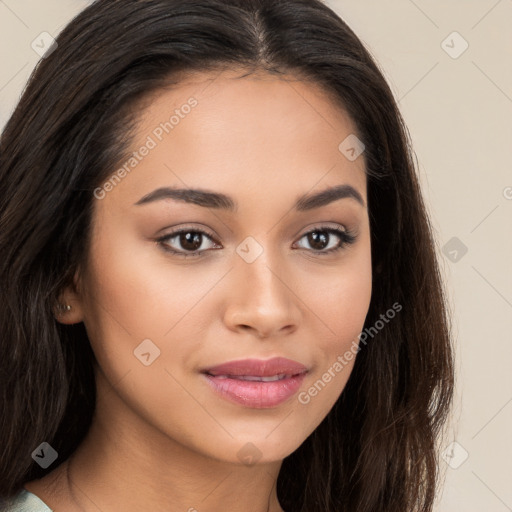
<point x="220" y="285"/>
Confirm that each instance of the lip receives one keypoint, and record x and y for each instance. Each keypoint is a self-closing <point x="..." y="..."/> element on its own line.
<point x="258" y="367"/>
<point x="228" y="380"/>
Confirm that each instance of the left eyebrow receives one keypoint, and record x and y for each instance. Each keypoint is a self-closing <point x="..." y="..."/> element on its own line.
<point x="217" y="200"/>
<point x="311" y="201"/>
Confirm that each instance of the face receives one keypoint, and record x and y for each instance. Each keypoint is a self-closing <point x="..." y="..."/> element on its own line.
<point x="247" y="269"/>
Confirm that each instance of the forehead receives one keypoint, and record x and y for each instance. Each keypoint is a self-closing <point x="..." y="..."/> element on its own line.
<point x="251" y="101"/>
<point x="231" y="131"/>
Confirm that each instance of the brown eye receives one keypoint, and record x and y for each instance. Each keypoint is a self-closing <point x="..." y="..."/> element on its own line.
<point x="327" y="240"/>
<point x="191" y="240"/>
<point x="187" y="242"/>
<point x="318" y="240"/>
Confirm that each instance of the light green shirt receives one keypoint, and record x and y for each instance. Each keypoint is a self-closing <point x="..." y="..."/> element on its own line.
<point x="24" y="501"/>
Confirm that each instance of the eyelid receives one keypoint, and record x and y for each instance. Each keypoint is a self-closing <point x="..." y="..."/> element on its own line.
<point x="186" y="228"/>
<point x="321" y="226"/>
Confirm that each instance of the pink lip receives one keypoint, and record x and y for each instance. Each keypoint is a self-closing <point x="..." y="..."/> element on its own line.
<point x="258" y="367"/>
<point x="226" y="379"/>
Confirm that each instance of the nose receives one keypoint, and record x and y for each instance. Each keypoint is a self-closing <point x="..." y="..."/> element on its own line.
<point x="261" y="299"/>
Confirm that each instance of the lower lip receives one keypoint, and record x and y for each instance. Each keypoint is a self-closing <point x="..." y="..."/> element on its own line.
<point x="256" y="394"/>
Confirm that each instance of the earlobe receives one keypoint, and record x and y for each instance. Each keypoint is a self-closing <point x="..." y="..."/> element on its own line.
<point x="66" y="313"/>
<point x="68" y="308"/>
<point x="64" y="307"/>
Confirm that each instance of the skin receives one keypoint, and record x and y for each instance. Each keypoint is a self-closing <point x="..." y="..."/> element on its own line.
<point x="161" y="439"/>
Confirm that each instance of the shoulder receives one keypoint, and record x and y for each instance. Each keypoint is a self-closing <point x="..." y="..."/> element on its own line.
<point x="24" y="501"/>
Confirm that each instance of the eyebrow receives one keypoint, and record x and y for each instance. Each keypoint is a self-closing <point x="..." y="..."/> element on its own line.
<point x="218" y="200"/>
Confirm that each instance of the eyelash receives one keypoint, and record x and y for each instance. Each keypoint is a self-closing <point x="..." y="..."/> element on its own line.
<point x="346" y="238"/>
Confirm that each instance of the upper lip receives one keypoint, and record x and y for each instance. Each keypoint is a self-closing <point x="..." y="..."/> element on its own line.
<point x="258" y="367"/>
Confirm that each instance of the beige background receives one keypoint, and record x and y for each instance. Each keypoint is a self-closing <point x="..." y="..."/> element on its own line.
<point x="459" y="113"/>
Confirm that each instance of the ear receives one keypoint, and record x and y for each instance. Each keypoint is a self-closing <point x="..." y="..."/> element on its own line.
<point x="69" y="309"/>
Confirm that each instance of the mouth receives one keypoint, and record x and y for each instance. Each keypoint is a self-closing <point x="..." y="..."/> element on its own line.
<point x="257" y="383"/>
<point x="253" y="378"/>
<point x="275" y="367"/>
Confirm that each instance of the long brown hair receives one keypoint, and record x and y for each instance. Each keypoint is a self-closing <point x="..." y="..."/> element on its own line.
<point x="376" y="449"/>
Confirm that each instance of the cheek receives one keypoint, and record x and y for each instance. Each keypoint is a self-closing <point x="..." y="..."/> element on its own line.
<point x="118" y="300"/>
<point x="129" y="310"/>
<point x="341" y="300"/>
<point x="341" y="306"/>
<point x="131" y="289"/>
<point x="133" y="295"/>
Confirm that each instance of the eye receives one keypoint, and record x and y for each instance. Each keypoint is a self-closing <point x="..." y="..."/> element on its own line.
<point x="322" y="239"/>
<point x="190" y="240"/>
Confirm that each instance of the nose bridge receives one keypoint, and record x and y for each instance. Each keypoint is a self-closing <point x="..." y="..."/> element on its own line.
<point x="262" y="298"/>
<point x="260" y="279"/>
